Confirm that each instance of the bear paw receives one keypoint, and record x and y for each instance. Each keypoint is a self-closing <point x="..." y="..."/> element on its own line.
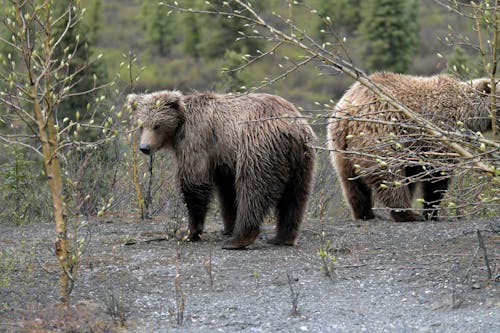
<point x="280" y="242"/>
<point x="406" y="216"/>
<point x="188" y="236"/>
<point x="236" y="244"/>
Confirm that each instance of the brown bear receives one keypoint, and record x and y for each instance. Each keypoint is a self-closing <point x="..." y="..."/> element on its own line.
<point x="254" y="149"/>
<point x="363" y="125"/>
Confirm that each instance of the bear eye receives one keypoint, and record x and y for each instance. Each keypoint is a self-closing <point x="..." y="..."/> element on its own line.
<point x="157" y="127"/>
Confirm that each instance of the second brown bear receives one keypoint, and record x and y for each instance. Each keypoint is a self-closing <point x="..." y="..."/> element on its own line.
<point x="254" y="149"/>
<point x="366" y="131"/>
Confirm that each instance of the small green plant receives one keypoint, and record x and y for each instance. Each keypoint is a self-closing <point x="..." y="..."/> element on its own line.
<point x="328" y="260"/>
<point x="19" y="201"/>
<point x="116" y="308"/>
<point x="7" y="265"/>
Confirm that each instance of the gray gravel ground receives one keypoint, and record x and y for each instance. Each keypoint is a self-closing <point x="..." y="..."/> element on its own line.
<point x="387" y="277"/>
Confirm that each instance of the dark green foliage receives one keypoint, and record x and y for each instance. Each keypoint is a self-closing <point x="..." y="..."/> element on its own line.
<point x="231" y="79"/>
<point x="94" y="21"/>
<point x="389" y="33"/>
<point x="458" y="62"/>
<point x="464" y="64"/>
<point x="345" y="17"/>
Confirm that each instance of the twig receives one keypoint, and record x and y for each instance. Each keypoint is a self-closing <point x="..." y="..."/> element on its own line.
<point x="207" y="264"/>
<point x="149" y="240"/>
<point x="485" y="254"/>
<point x="294" y="293"/>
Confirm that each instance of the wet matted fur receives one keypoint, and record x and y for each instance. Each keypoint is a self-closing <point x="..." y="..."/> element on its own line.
<point x="253" y="149"/>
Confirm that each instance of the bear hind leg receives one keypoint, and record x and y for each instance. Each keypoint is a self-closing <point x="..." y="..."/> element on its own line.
<point x="224" y="181"/>
<point x="289" y="212"/>
<point x="253" y="205"/>
<point x="291" y="205"/>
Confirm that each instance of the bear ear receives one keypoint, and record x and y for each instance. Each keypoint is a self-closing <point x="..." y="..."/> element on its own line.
<point x="133" y="100"/>
<point x="482" y="85"/>
<point x="174" y="103"/>
<point x="171" y="99"/>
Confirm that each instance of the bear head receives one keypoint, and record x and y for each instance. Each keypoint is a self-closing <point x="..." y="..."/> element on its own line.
<point x="483" y="85"/>
<point x="482" y="122"/>
<point x="158" y="115"/>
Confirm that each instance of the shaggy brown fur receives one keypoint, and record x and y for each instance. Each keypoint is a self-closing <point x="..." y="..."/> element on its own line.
<point x="441" y="99"/>
<point x="246" y="147"/>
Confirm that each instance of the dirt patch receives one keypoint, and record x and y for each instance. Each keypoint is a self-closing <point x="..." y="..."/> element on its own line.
<point x="385" y="277"/>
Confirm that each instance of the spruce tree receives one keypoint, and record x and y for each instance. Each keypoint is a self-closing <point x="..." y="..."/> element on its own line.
<point x="389" y="33"/>
<point x="160" y="26"/>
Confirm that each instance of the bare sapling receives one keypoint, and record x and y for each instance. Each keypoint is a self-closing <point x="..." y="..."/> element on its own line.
<point x="36" y="85"/>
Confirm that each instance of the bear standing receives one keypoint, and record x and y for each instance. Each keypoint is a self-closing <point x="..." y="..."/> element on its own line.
<point x="254" y="149"/>
<point x="365" y="129"/>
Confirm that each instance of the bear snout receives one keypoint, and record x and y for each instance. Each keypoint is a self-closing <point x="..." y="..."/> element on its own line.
<point x="145" y="148"/>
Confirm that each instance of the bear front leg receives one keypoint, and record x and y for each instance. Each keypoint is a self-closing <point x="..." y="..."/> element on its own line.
<point x="357" y="192"/>
<point x="433" y="193"/>
<point x="197" y="198"/>
<point x="359" y="197"/>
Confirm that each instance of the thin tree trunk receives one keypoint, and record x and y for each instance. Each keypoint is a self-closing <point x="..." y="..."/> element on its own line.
<point x="493" y="110"/>
<point x="48" y="138"/>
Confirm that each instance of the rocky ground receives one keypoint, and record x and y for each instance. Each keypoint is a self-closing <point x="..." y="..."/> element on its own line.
<point x="383" y="277"/>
